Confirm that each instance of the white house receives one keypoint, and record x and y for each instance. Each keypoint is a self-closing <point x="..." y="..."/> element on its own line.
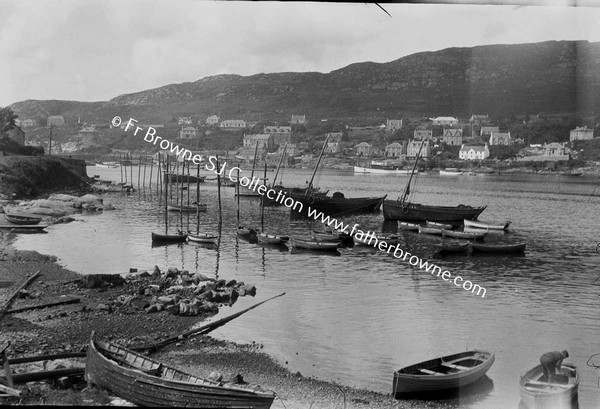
<point x="444" y="121"/>
<point x="582" y="134"/>
<point x="213" y="120"/>
<point x="393" y="125"/>
<point x="473" y="152"/>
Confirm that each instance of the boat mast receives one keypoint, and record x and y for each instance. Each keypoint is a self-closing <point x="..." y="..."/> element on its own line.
<point x="279" y="165"/>
<point x="254" y="161"/>
<point x="310" y="185"/>
<point x="407" y="190"/>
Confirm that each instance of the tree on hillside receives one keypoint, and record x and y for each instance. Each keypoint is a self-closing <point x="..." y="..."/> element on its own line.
<point x="7" y="119"/>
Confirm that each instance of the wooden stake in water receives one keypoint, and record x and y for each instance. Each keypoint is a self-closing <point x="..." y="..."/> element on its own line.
<point x="237" y="186"/>
<point x="219" y="188"/>
<point x="131" y="169"/>
<point x="139" y="169"/>
<point x="144" y="178"/>
<point x="121" y="168"/>
<point x="198" y="199"/>
<point x="166" y="197"/>
<point x="151" y="166"/>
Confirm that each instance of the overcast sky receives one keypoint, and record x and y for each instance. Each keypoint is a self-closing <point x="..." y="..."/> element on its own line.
<point x="94" y="50"/>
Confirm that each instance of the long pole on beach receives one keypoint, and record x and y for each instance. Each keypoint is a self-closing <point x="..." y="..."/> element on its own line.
<point x="166" y="197"/>
<point x="262" y="204"/>
<point x="131" y="169"/>
<point x="219" y="188"/>
<point x="198" y="198"/>
<point x="151" y="167"/>
<point x="237" y="187"/>
<point x="188" y="183"/>
<point x="139" y="169"/>
<point x="121" y="168"/>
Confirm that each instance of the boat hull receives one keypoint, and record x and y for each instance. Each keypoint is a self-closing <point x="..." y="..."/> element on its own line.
<point x="265" y="238"/>
<point x="412" y="380"/>
<point x="173" y="389"/>
<point x="380" y="171"/>
<point x="187" y="209"/>
<point x="474" y="224"/>
<point x="415" y="212"/>
<point x="337" y="205"/>
<point x="498" y="248"/>
<point x="317" y="245"/>
<point x="168" y="238"/>
<point x="536" y="394"/>
<point x="21" y="219"/>
<point x="202" y="238"/>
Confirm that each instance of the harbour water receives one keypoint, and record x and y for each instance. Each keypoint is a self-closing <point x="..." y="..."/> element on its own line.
<point x="357" y="317"/>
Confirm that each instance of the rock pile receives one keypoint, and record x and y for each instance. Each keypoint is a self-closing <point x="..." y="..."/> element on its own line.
<point x="59" y="205"/>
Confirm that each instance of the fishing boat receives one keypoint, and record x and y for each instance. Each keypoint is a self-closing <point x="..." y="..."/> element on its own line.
<point x="147" y="382"/>
<point x="168" y="238"/>
<point x="381" y="168"/>
<point x="24" y="228"/>
<point x="374" y="240"/>
<point x="465" y="235"/>
<point x="266" y="238"/>
<point x="474" y="224"/>
<point x="22" y="219"/>
<point x="404" y="210"/>
<point x="498" y="248"/>
<point x="538" y="393"/>
<point x="312" y="244"/>
<point x="187" y="209"/>
<point x="439" y="374"/>
<point x="334" y="205"/>
<point x="202" y="237"/>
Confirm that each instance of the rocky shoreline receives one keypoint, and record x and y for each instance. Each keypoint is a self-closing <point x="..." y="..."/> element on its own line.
<point x="126" y="311"/>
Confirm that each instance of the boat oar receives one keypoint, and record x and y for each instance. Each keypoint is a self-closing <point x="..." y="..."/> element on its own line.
<point x="205" y="329"/>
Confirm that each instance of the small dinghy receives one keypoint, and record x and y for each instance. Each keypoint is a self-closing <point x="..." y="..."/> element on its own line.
<point x="266" y="238"/>
<point x="474" y="224"/>
<point x="538" y="393"/>
<point x="202" y="237"/>
<point x="440" y="374"/>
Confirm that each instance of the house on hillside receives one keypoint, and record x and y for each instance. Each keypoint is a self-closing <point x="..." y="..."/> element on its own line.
<point x="55" y="120"/>
<point x="500" y="138"/>
<point x="184" y="120"/>
<point x="263" y="141"/>
<point x="473" y="152"/>
<point x="479" y="119"/>
<point x="413" y="147"/>
<point x="298" y="119"/>
<point x="28" y="123"/>
<point x="486" y="131"/>
<point x="582" y="134"/>
<point x="16" y="134"/>
<point x="444" y="121"/>
<point x="453" y="136"/>
<point x="279" y="134"/>
<point x="555" y="149"/>
<point x="393" y="125"/>
<point x="334" y="143"/>
<point x="362" y="149"/>
<point x="212" y="120"/>
<point x="394" y="150"/>
<point x="188" y="132"/>
<point x="420" y="134"/>
<point x="229" y="124"/>
<point x="291" y="150"/>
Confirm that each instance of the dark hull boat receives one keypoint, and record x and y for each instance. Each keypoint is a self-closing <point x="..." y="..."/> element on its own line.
<point x="338" y="205"/>
<point x="498" y="248"/>
<point x="415" y="212"/>
<point x="147" y="382"/>
<point x="440" y="374"/>
<point x="316" y="245"/>
<point x="177" y="178"/>
<point x="22" y="219"/>
<point x="187" y="209"/>
<point x="168" y="238"/>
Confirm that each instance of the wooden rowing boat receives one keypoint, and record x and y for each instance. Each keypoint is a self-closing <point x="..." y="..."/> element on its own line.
<point x="320" y="245"/>
<point x="453" y="247"/>
<point x="475" y="235"/>
<point x="168" y="238"/>
<point x="266" y="238"/>
<point x="147" y="382"/>
<point x="22" y="219"/>
<point x="431" y="230"/>
<point x="325" y="235"/>
<point x="187" y="209"/>
<point x="538" y="393"/>
<point x="474" y="224"/>
<point x="246" y="231"/>
<point x="498" y="248"/>
<point x="202" y="237"/>
<point x="374" y="240"/>
<point x="408" y="226"/>
<point x="444" y="226"/>
<point x="447" y="372"/>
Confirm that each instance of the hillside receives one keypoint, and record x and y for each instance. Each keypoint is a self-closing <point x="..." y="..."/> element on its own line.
<point x="502" y="80"/>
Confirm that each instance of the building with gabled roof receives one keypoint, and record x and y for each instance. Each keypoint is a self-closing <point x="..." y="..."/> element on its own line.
<point x="298" y="119"/>
<point x="444" y="120"/>
<point x="188" y="132"/>
<point x="393" y="125"/>
<point x="473" y="152"/>
<point x="500" y="138"/>
<point x="362" y="149"/>
<point x="413" y="147"/>
<point x="394" y="150"/>
<point x="452" y="136"/>
<point x="581" y="134"/>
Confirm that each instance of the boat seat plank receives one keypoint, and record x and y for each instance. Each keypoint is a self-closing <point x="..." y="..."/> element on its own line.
<point x="454" y="366"/>
<point x="539" y="383"/>
<point x="429" y="372"/>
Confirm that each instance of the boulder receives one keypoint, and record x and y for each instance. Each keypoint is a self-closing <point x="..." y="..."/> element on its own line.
<point x="102" y="280"/>
<point x="173" y="309"/>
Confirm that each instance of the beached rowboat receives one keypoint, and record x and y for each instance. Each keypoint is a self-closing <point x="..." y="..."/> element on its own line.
<point x="538" y="393"/>
<point x="498" y="248"/>
<point x="447" y="372"/>
<point x="21" y="219"/>
<point x="147" y="382"/>
<point x="266" y="238"/>
<point x="474" y="224"/>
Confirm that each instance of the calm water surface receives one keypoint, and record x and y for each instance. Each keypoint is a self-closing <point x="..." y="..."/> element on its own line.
<point x="357" y="317"/>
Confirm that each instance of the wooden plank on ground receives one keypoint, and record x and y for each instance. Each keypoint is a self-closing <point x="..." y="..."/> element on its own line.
<point x="45" y="305"/>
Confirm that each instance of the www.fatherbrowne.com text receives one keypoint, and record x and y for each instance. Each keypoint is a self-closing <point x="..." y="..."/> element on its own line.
<point x="211" y="164"/>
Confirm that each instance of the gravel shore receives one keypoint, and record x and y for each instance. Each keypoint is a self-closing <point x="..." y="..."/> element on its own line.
<point x="67" y="328"/>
